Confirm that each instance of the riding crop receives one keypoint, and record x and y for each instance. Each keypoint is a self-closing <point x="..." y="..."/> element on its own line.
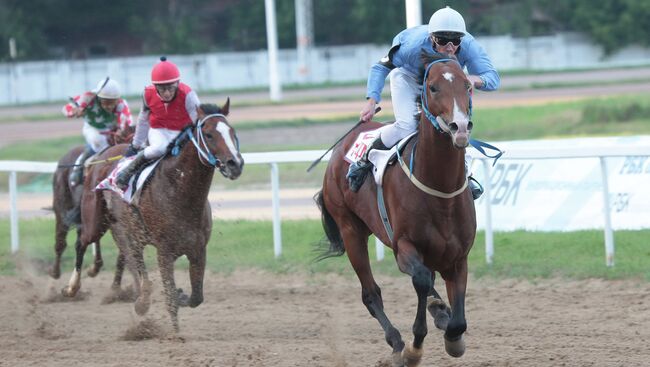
<point x="314" y="163"/>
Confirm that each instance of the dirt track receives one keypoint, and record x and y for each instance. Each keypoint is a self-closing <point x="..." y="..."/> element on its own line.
<point x="256" y="319"/>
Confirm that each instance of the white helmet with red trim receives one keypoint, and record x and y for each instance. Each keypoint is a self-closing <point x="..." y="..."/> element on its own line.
<point x="165" y="72"/>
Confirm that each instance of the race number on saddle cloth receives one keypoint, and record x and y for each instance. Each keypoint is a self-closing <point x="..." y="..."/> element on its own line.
<point x="132" y="192"/>
<point x="379" y="158"/>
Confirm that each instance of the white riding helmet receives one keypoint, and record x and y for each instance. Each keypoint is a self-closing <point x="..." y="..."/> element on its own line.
<point x="110" y="91"/>
<point x="447" y="20"/>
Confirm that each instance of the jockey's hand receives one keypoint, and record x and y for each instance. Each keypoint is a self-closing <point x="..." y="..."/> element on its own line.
<point x="130" y="151"/>
<point x="368" y="111"/>
<point x="77" y="112"/>
<point x="475" y="81"/>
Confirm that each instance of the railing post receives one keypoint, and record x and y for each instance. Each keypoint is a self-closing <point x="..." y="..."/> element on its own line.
<point x="609" y="236"/>
<point x="379" y="249"/>
<point x="13" y="196"/>
<point x="275" y="188"/>
<point x="487" y="198"/>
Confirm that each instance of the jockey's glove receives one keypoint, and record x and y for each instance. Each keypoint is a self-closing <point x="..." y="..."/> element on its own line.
<point x="131" y="151"/>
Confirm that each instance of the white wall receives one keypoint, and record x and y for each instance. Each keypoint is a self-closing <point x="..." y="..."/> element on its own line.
<point x="30" y="82"/>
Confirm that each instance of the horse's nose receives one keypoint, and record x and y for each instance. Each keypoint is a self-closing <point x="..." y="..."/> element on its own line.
<point x="231" y="164"/>
<point x="453" y="127"/>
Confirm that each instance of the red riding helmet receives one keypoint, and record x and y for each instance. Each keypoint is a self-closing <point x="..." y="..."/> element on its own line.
<point x="164" y="72"/>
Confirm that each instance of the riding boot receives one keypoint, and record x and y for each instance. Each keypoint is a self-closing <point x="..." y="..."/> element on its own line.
<point x="359" y="170"/>
<point x="76" y="174"/>
<point x="124" y="176"/>
<point x="475" y="187"/>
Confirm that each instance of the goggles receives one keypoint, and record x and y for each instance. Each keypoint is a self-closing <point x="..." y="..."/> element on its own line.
<point x="169" y="87"/>
<point x="443" y="41"/>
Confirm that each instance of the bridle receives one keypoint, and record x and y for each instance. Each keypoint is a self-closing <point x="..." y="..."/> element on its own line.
<point x="205" y="155"/>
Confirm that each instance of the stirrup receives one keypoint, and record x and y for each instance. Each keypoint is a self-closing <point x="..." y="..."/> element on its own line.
<point x="475" y="187"/>
<point x="357" y="174"/>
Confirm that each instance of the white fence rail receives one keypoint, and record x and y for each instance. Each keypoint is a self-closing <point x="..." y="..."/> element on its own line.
<point x="513" y="154"/>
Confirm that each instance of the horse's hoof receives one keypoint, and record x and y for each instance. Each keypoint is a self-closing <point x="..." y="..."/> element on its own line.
<point x="183" y="299"/>
<point x="92" y="272"/>
<point x="411" y="355"/>
<point x="68" y="291"/>
<point x="439" y="311"/>
<point x="397" y="360"/>
<point x="141" y="306"/>
<point x="455" y="348"/>
<point x="55" y="273"/>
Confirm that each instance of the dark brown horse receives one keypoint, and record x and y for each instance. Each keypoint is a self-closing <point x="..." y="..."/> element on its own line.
<point x="65" y="204"/>
<point x="432" y="231"/>
<point x="173" y="213"/>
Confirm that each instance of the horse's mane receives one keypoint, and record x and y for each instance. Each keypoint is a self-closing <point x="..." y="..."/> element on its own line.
<point x="427" y="58"/>
<point x="183" y="137"/>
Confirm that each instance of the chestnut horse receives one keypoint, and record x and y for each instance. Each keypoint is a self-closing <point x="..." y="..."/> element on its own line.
<point x="432" y="231"/>
<point x="173" y="213"/>
<point x="65" y="204"/>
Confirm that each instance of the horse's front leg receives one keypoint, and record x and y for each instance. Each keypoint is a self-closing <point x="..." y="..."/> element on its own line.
<point x="166" y="265"/>
<point x="93" y="270"/>
<point x="440" y="312"/>
<point x="197" y="272"/>
<point x="456" y="281"/>
<point x="410" y="262"/>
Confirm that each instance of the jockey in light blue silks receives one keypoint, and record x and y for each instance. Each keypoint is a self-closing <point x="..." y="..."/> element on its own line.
<point x="446" y="34"/>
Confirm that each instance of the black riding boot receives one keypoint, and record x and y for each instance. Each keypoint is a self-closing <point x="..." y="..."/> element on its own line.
<point x="475" y="187"/>
<point x="123" y="177"/>
<point x="359" y="170"/>
<point x="76" y="174"/>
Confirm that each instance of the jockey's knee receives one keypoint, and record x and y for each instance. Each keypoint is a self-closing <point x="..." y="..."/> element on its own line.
<point x="152" y="152"/>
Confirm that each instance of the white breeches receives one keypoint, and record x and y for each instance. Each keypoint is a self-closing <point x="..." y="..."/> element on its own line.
<point x="404" y="90"/>
<point x="159" y="139"/>
<point x="94" y="138"/>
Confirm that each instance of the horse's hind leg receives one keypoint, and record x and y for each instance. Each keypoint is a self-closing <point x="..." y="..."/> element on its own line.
<point x="61" y="232"/>
<point x="440" y="312"/>
<point x="166" y="265"/>
<point x="93" y="270"/>
<point x="456" y="281"/>
<point x="356" y="245"/>
<point x="75" y="279"/>
<point x="410" y="262"/>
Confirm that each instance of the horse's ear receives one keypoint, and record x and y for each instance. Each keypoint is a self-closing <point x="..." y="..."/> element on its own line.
<point x="226" y="107"/>
<point x="199" y="113"/>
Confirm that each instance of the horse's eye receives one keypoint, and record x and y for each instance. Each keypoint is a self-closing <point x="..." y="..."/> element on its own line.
<point x="432" y="88"/>
<point x="208" y="136"/>
<point x="468" y="86"/>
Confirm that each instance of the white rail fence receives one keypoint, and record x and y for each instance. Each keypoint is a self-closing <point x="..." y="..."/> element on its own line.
<point x="485" y="204"/>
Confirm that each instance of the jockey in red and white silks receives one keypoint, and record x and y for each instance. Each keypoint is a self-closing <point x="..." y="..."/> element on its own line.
<point x="168" y="106"/>
<point x="160" y="122"/>
<point x="103" y="111"/>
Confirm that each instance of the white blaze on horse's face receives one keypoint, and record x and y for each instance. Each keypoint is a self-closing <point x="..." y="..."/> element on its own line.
<point x="223" y="129"/>
<point x="460" y="137"/>
<point x="448" y="76"/>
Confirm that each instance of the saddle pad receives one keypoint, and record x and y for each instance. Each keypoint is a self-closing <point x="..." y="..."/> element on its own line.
<point x="131" y="194"/>
<point x="360" y="145"/>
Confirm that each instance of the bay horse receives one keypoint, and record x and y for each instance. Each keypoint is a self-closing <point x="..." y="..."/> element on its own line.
<point x="431" y="232"/>
<point x="65" y="205"/>
<point x="173" y="213"/>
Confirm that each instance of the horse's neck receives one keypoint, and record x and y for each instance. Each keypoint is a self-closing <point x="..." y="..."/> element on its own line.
<point x="195" y="178"/>
<point x="438" y="164"/>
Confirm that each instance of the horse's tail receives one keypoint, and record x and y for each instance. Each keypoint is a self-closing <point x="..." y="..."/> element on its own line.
<point x="334" y="242"/>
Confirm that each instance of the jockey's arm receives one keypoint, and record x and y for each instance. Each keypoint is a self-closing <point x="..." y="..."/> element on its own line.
<point x="191" y="104"/>
<point x="141" y="127"/>
<point x="123" y="115"/>
<point x="77" y="105"/>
